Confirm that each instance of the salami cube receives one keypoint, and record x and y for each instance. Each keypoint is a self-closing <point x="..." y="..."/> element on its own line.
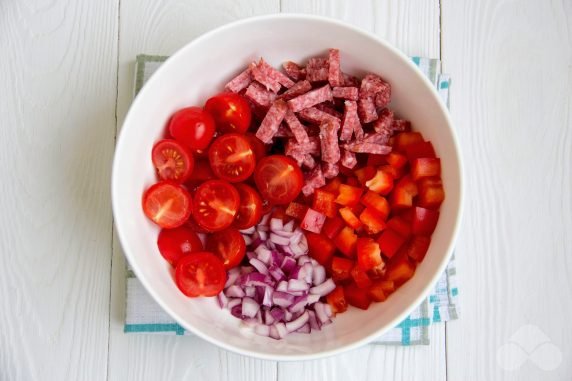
<point x="349" y="80"/>
<point x="325" y="107"/>
<point x="334" y="72"/>
<point x="384" y="121"/>
<point x="351" y="93"/>
<point x="383" y="98"/>
<point x="311" y="98"/>
<point x="372" y="84"/>
<point x="272" y="121"/>
<point x="271" y="78"/>
<point x="240" y="82"/>
<point x="294" y="71"/>
<point x="317" y="69"/>
<point x="297" y="128"/>
<point x="299" y="88"/>
<point x="350" y="121"/>
<point x="401" y="125"/>
<point x="372" y="148"/>
<point x="259" y="95"/>
<point x="308" y="161"/>
<point x="313" y="115"/>
<point x="366" y="110"/>
<point x="349" y="159"/>
<point x="314" y="179"/>
<point x="329" y="141"/>
<point x="376" y="138"/>
<point x="313" y="221"/>
<point x="330" y="170"/>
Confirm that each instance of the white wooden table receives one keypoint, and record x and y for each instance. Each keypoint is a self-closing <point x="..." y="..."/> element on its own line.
<point x="66" y="83"/>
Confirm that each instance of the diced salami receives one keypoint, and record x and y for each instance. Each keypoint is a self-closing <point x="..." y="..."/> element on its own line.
<point x="271" y="78"/>
<point x="312" y="147"/>
<point x="329" y="141"/>
<point x="350" y="93"/>
<point x="330" y="170"/>
<point x="349" y="159"/>
<point x="283" y="132"/>
<point x="383" y="98"/>
<point x="259" y="95"/>
<point x="376" y="138"/>
<point x="311" y="98"/>
<point x="297" y="128"/>
<point x="349" y="80"/>
<point x="314" y="179"/>
<point x="384" y="121"/>
<point x="294" y="71"/>
<point x="334" y="72"/>
<point x="271" y="121"/>
<point x="317" y="69"/>
<point x="349" y="121"/>
<point x="328" y="107"/>
<point x="401" y="125"/>
<point x="359" y="147"/>
<point x="313" y="220"/>
<point x="313" y="115"/>
<point x="240" y="82"/>
<point x="309" y="161"/>
<point x="372" y="84"/>
<point x="299" y="88"/>
<point x="366" y="110"/>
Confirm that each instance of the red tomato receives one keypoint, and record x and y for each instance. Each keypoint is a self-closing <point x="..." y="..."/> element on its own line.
<point x="323" y="202"/>
<point x="175" y="243"/>
<point x="349" y="195"/>
<point x="337" y="300"/>
<point x="167" y="204"/>
<point x="346" y="241"/>
<point x="424" y="221"/>
<point x="232" y="158"/>
<point x="357" y="297"/>
<point x="376" y="202"/>
<point x="279" y="179"/>
<point x="425" y="167"/>
<point x="230" y="111"/>
<point x="390" y="242"/>
<point x="193" y="127"/>
<point x="202" y="172"/>
<point x="373" y="222"/>
<point x="250" y="208"/>
<point x="360" y="277"/>
<point x="200" y="274"/>
<point x="342" y="268"/>
<point x="172" y="160"/>
<point x="258" y="147"/>
<point x="267" y="207"/>
<point x="320" y="248"/>
<point x="228" y="245"/>
<point x="215" y="205"/>
<point x="368" y="253"/>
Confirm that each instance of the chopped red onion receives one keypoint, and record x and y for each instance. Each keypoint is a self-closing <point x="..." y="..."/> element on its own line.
<point x="274" y="333"/>
<point x="268" y="318"/>
<point x="258" y="265"/>
<point x="250" y="291"/>
<point x="289" y="226"/>
<point x="313" y="298"/>
<point x="202" y="238"/>
<point x="222" y="300"/>
<point x="297" y="285"/>
<point x="321" y="312"/>
<point x="279" y="240"/>
<point x="282" y="299"/>
<point x="262" y="235"/>
<point x="250" y="230"/>
<point x="277" y="258"/>
<point x="313" y="321"/>
<point x="303" y="259"/>
<point x="288" y="316"/>
<point x="318" y="275"/>
<point x="264" y="255"/>
<point x="324" y="288"/>
<point x="235" y="292"/>
<point x="249" y="307"/>
<point x="297" y="250"/>
<point x="288" y="264"/>
<point x="247" y="240"/>
<point x="298" y="323"/>
<point x="267" y="296"/>
<point x="264" y="220"/>
<point x="281" y="328"/>
<point x="262" y="330"/>
<point x="276" y="224"/>
<point x="232" y="276"/>
<point x="256" y="279"/>
<point x="299" y="303"/>
<point x="250" y="255"/>
<point x="308" y="271"/>
<point x="304" y="329"/>
<point x="276" y="273"/>
<point x="277" y="313"/>
<point x="233" y="303"/>
<point x="282" y="286"/>
<point x="246" y="270"/>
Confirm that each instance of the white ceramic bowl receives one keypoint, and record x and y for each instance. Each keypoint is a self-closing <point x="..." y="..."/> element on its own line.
<point x="199" y="70"/>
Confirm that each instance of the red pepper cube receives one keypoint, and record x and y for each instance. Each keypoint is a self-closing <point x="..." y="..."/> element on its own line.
<point x="333" y="186"/>
<point x="360" y="277"/>
<point x="320" y="248"/>
<point x="368" y="254"/>
<point x="425" y="167"/>
<point x="417" y="247"/>
<point x="364" y="174"/>
<point x="357" y="297"/>
<point x="342" y="268"/>
<point x="352" y="181"/>
<point x="373" y="222"/>
<point x="403" y="194"/>
<point x="399" y="225"/>
<point x="337" y="300"/>
<point x="404" y="139"/>
<point x="376" y="160"/>
<point x="400" y="271"/>
<point x="419" y="149"/>
<point x="431" y="193"/>
<point x="390" y="242"/>
<point x="332" y="227"/>
<point x="424" y="221"/>
<point x="381" y="183"/>
<point x="324" y="203"/>
<point x="350" y="218"/>
<point x="296" y="210"/>
<point x="349" y="195"/>
<point x="396" y="160"/>
<point x="376" y="202"/>
<point x="346" y="241"/>
<point x="376" y="292"/>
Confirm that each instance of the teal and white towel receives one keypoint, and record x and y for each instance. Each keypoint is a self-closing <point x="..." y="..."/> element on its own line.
<point x="143" y="314"/>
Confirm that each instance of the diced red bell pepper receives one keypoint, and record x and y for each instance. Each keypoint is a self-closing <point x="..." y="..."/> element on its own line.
<point x="376" y="202"/>
<point x="376" y="160"/>
<point x="381" y="183"/>
<point x="321" y="248"/>
<point x="333" y="186"/>
<point x="373" y="221"/>
<point x="388" y="286"/>
<point x="341" y="268"/>
<point x="424" y="221"/>
<point x="417" y="247"/>
<point x="425" y="167"/>
<point x="400" y="271"/>
<point x="360" y="277"/>
<point x="357" y="209"/>
<point x="349" y="195"/>
<point x="390" y="242"/>
<point x="346" y="241"/>
<point x="352" y="181"/>
<point x="396" y="173"/>
<point x="376" y="292"/>
<point x="350" y="218"/>
<point x="357" y="297"/>
<point x="296" y="210"/>
<point x="396" y="160"/>
<point x="332" y="227"/>
<point x="404" y="139"/>
<point x="400" y="226"/>
<point x="377" y="272"/>
<point x="431" y="193"/>
<point x="324" y="203"/>
<point x="419" y="149"/>
<point x="364" y="174"/>
<point x="368" y="253"/>
<point x="337" y="300"/>
<point x="313" y="221"/>
<point x="402" y="196"/>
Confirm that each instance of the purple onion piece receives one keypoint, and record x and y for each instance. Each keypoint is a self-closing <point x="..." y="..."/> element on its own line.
<point x="295" y="273"/>
<point x="297" y="250"/>
<point x="249" y="307"/>
<point x="248" y="231"/>
<point x="282" y="299"/>
<point x="233" y="303"/>
<point x="299" y="303"/>
<point x="281" y="330"/>
<point x="324" y="288"/>
<point x="268" y="318"/>
<point x="329" y="311"/>
<point x="274" y="333"/>
<point x="279" y="240"/>
<point x="267" y="296"/>
<point x="313" y="299"/>
<point x="259" y="294"/>
<point x="256" y="279"/>
<point x="277" y="258"/>
<point x="222" y="300"/>
<point x="282" y="286"/>
<point x="297" y="323"/>
<point x="288" y="316"/>
<point x="276" y="224"/>
<point x="276" y="273"/>
<point x="308" y="270"/>
<point x="262" y="235"/>
<point x="304" y="329"/>
<point x="236" y="311"/>
<point x="264" y="220"/>
<point x="303" y="260"/>
<point x="297" y="285"/>
<point x="283" y="234"/>
<point x="277" y="313"/>
<point x="262" y="330"/>
<point x="318" y="275"/>
<point x="265" y="256"/>
<point x="250" y="291"/>
<point x="289" y="226"/>
<point x="247" y="240"/>
<point x="288" y="264"/>
<point x="259" y="316"/>
<point x="321" y="314"/>
<point x="258" y="265"/>
<point x="313" y="321"/>
<point x="232" y="275"/>
<point x="296" y="237"/>
<point x="246" y="270"/>
<point x="235" y="291"/>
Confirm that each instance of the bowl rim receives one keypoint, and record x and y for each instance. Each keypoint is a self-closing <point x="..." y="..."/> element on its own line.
<point x="115" y="180"/>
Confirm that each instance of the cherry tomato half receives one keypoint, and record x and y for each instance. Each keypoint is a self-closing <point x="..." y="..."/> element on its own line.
<point x="230" y="111"/>
<point x="167" y="204"/>
<point x="278" y="179"/>
<point x="250" y="208"/>
<point x="172" y="160"/>
<point x="215" y="205"/>
<point x="193" y="127"/>
<point x="200" y="274"/>
<point x="176" y="243"/>
<point x="232" y="158"/>
<point x="228" y="245"/>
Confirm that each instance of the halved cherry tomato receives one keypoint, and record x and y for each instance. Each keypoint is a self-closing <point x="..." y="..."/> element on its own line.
<point x="175" y="243"/>
<point x="193" y="127"/>
<point x="278" y="179"/>
<point x="231" y="158"/>
<point x="200" y="274"/>
<point x="425" y="167"/>
<point x="172" y="160"/>
<point x="342" y="268"/>
<point x="402" y="195"/>
<point x="215" y="205"/>
<point x="202" y="172"/>
<point x="230" y="111"/>
<point x="332" y="227"/>
<point x="257" y="146"/>
<point x="431" y="193"/>
<point x="228" y="245"/>
<point x="296" y="210"/>
<point x="250" y="207"/>
<point x="357" y="297"/>
<point x="320" y="248"/>
<point x="368" y="253"/>
<point x="349" y="195"/>
<point x="167" y="204"/>
<point x="267" y="206"/>
<point x="376" y="202"/>
<point x="337" y="300"/>
<point x="324" y="203"/>
<point x="350" y="218"/>
<point x="419" y="149"/>
<point x="417" y="247"/>
<point x="390" y="242"/>
<point x="424" y="221"/>
<point x="381" y="183"/>
<point x="373" y="222"/>
<point x="364" y="174"/>
<point x="346" y="241"/>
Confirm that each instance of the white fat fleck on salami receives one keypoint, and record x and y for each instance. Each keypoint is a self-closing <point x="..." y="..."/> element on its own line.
<point x="299" y="88"/>
<point x="366" y="110"/>
<point x="314" y="179"/>
<point x="350" y="121"/>
<point x="384" y="121"/>
<point x="317" y="69"/>
<point x="311" y="98"/>
<point x="259" y="95"/>
<point x="376" y="149"/>
<point x="240" y="82"/>
<point x="349" y="159"/>
<point x="349" y="80"/>
<point x="400" y="125"/>
<point x="334" y="71"/>
<point x="297" y="128"/>
<point x="350" y="93"/>
<point x="329" y="141"/>
<point x="330" y="170"/>
<point x="271" y="121"/>
<point x="294" y="71"/>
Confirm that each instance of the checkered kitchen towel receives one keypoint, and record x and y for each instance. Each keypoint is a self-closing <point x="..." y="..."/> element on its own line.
<point x="143" y="314"/>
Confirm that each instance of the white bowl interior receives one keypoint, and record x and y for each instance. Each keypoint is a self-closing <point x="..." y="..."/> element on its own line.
<point x="198" y="71"/>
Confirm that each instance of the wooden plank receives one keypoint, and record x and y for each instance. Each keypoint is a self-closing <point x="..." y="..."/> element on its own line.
<point x="510" y="62"/>
<point x="161" y="27"/>
<point x="57" y="112"/>
<point x="412" y="26"/>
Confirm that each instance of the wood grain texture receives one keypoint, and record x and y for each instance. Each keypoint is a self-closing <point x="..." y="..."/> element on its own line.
<point x="57" y="106"/>
<point x="511" y="66"/>
<point x="161" y="27"/>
